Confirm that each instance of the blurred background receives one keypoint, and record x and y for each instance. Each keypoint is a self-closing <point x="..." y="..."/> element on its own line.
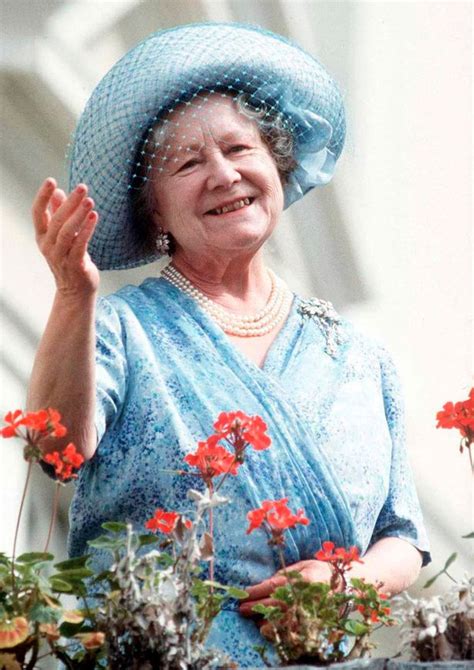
<point x="388" y="241"/>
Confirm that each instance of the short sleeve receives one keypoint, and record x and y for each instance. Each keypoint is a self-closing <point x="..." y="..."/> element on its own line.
<point x="111" y="366"/>
<point x="401" y="514"/>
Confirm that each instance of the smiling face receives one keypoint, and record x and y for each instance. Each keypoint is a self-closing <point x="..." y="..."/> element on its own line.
<point x="220" y="192"/>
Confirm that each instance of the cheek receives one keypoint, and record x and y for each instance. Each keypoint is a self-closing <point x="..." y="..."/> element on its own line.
<point x="273" y="188"/>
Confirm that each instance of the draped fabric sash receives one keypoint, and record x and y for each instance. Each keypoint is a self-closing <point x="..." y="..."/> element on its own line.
<point x="222" y="379"/>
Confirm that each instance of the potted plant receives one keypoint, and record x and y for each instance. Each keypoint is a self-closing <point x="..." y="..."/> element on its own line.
<point x="438" y="632"/>
<point x="153" y="607"/>
<point x="319" y="624"/>
<point x="148" y="610"/>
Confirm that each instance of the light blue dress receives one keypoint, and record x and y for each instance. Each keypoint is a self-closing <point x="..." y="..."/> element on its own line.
<point x="329" y="396"/>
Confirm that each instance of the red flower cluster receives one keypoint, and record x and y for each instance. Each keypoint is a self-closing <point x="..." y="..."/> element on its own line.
<point x="459" y="415"/>
<point x="212" y="460"/>
<point x="373" y="615"/>
<point x="65" y="462"/>
<point x="165" y="522"/>
<point x="338" y="556"/>
<point x="44" y="422"/>
<point x="241" y="430"/>
<point x="276" y="517"/>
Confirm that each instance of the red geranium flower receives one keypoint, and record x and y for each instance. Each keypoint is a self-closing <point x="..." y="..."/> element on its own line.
<point x="372" y="614"/>
<point x="13" y="421"/>
<point x="65" y="462"/>
<point x="212" y="460"/>
<point x="459" y="415"/>
<point x="44" y="422"/>
<point x="163" y="521"/>
<point x="240" y="430"/>
<point x="276" y="517"/>
<point x="255" y="433"/>
<point x="340" y="556"/>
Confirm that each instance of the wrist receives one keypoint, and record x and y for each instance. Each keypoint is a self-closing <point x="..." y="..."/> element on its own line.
<point x="73" y="301"/>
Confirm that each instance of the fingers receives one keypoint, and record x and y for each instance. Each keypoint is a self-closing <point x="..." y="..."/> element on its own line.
<point x="73" y="225"/>
<point x="39" y="208"/>
<point x="79" y="246"/>
<point x="72" y="210"/>
<point x="57" y="200"/>
<point x="265" y="588"/>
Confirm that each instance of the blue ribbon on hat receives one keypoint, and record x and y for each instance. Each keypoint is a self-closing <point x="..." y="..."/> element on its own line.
<point x="315" y="162"/>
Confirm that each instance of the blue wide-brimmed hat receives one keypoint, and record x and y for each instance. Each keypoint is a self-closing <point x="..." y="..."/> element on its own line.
<point x="172" y="66"/>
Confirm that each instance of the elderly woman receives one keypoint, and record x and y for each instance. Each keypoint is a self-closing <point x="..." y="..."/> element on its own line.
<point x="193" y="145"/>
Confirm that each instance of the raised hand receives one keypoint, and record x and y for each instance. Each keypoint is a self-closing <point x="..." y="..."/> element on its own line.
<point x="64" y="225"/>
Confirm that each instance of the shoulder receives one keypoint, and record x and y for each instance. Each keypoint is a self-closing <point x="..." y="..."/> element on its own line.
<point x="130" y="300"/>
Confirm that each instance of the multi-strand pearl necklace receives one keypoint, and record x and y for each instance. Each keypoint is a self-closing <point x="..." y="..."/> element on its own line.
<point x="245" y="325"/>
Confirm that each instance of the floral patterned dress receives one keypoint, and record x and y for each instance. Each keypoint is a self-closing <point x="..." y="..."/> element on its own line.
<point x="329" y="396"/>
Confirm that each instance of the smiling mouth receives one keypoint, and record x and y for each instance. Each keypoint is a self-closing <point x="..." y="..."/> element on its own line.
<point x="233" y="207"/>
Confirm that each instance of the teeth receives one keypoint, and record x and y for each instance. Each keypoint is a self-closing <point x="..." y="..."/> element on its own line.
<point x="230" y="208"/>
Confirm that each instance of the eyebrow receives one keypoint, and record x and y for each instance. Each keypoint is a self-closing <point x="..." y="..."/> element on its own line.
<point x="227" y="138"/>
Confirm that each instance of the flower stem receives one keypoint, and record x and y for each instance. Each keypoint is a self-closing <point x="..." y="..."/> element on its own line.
<point x="282" y="560"/>
<point x="53" y="516"/>
<point x="211" y="533"/>
<point x="470" y="456"/>
<point x="450" y="577"/>
<point x="226" y="474"/>
<point x="15" y="539"/>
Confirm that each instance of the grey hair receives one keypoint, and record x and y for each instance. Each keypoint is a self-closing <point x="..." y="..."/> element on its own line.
<point x="274" y="132"/>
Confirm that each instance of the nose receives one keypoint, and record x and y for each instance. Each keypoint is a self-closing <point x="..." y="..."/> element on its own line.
<point x="222" y="172"/>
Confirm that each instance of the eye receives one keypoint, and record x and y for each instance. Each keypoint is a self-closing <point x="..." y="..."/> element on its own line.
<point x="237" y="147"/>
<point x="189" y="164"/>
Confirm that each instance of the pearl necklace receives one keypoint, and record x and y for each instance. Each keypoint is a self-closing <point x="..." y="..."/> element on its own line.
<point x="245" y="325"/>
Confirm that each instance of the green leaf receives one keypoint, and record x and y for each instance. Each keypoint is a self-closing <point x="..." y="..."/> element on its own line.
<point x="283" y="593"/>
<point x="143" y="540"/>
<point x="431" y="581"/>
<point x="356" y="628"/>
<point x="294" y="574"/>
<point x="44" y="614"/>
<point x="105" y="542"/>
<point x="360" y="584"/>
<point x="450" y="560"/>
<point x="70" y="629"/>
<point x="234" y="592"/>
<point x="269" y="612"/>
<point x="35" y="557"/>
<point x="72" y="563"/>
<point x="61" y="585"/>
<point x="115" y="526"/>
<point x="74" y="574"/>
<point x="164" y="560"/>
<point x="470" y="536"/>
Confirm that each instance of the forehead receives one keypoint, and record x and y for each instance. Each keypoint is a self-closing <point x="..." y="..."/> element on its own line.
<point x="207" y="118"/>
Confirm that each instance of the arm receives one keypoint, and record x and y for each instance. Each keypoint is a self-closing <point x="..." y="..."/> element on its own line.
<point x="63" y="374"/>
<point x="391" y="562"/>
